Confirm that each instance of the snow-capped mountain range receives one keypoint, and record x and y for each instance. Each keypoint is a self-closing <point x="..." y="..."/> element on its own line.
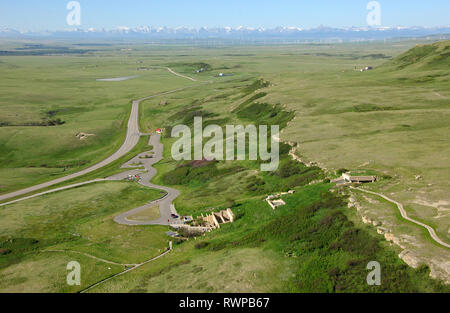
<point x="237" y="33"/>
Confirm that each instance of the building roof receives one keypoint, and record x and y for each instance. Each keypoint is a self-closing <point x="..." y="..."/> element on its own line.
<point x="359" y="178"/>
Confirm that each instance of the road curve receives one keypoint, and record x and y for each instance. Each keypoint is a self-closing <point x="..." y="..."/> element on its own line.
<point x="131" y="140"/>
<point x="165" y="205"/>
<point x="406" y="217"/>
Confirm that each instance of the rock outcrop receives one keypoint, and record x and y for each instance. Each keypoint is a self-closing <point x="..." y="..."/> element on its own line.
<point x="410" y="258"/>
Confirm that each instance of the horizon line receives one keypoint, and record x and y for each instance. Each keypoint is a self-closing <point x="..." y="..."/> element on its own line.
<point x="260" y="28"/>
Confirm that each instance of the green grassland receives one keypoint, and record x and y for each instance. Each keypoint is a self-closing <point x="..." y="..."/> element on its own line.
<point x="389" y="121"/>
<point x="392" y="120"/>
<point x="306" y="246"/>
<point x="36" y="89"/>
<point x="37" y="236"/>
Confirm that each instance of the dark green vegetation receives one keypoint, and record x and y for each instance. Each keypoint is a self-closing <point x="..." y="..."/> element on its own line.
<point x="388" y="121"/>
<point x="187" y="173"/>
<point x="327" y="252"/>
<point x="350" y="56"/>
<point x="265" y="114"/>
<point x="201" y="176"/>
<point x="192" y="67"/>
<point x="435" y="56"/>
<point x="320" y="248"/>
<point x="330" y="253"/>
<point x="43" y="50"/>
<point x="289" y="175"/>
<point x="187" y="115"/>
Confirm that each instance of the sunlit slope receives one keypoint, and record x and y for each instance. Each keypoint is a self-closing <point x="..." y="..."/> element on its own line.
<point x="391" y="121"/>
<point x="434" y="56"/>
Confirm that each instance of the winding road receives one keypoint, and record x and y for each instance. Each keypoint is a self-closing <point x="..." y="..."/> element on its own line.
<point x="133" y="134"/>
<point x="166" y="208"/>
<point x="405" y="215"/>
<point x="131" y="140"/>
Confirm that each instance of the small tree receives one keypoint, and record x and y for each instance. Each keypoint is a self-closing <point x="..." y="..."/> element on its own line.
<point x="341" y="171"/>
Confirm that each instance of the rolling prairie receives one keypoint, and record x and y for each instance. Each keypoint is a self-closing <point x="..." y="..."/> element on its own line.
<point x="391" y="122"/>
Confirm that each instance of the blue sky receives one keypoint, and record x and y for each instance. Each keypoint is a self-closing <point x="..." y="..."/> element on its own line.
<point x="51" y="14"/>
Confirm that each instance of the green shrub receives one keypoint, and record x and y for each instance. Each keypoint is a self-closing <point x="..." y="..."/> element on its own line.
<point x="289" y="168"/>
<point x="201" y="245"/>
<point x="256" y="85"/>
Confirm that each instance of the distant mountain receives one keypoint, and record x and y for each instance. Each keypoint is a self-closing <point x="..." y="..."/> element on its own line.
<point x="8" y="32"/>
<point x="319" y="34"/>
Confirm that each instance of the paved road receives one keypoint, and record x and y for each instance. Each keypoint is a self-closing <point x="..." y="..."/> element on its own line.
<point x="406" y="217"/>
<point x="131" y="140"/>
<point x="165" y="205"/>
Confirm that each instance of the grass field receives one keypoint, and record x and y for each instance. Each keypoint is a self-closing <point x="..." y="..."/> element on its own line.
<point x="306" y="246"/>
<point x="36" y="89"/>
<point x="391" y="122"/>
<point x="150" y="214"/>
<point x="47" y="230"/>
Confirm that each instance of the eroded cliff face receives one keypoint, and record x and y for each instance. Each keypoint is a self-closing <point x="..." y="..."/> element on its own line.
<point x="415" y="251"/>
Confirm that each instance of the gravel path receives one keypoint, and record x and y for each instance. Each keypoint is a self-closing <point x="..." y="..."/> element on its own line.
<point x="126" y="271"/>
<point x="406" y="217"/>
<point x="116" y="79"/>
<point x="179" y="75"/>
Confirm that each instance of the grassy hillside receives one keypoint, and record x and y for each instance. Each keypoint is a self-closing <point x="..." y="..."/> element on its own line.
<point x="390" y="122"/>
<point x="37" y="236"/>
<point x="309" y="245"/>
<point x="312" y="238"/>
<point x="47" y="101"/>
<point x="435" y="56"/>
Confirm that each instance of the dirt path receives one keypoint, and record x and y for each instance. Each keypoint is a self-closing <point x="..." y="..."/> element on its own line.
<point x="439" y="95"/>
<point x="136" y="266"/>
<point x="179" y="75"/>
<point x="132" y="137"/>
<point x="116" y="79"/>
<point x="90" y="256"/>
<point x="406" y="217"/>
